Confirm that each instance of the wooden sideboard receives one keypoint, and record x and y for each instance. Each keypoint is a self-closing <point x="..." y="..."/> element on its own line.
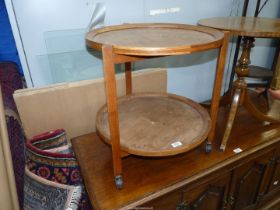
<point x="249" y="179"/>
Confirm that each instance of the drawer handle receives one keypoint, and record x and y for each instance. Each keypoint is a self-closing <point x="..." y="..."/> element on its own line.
<point x="183" y="206"/>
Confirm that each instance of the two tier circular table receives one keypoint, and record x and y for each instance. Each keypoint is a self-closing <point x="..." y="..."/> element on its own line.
<point x="153" y="124"/>
<point x="249" y="28"/>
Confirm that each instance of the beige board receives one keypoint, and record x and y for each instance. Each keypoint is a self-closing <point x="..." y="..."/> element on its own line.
<point x="73" y="106"/>
<point x="8" y="193"/>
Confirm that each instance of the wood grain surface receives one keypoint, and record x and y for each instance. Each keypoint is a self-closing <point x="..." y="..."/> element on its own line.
<point x="245" y="26"/>
<point x="155" y="39"/>
<point x="155" y="124"/>
<point x="148" y="178"/>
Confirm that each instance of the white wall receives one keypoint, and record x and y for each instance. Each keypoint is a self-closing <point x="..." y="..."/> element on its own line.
<point x="262" y="54"/>
<point x="192" y="75"/>
<point x="52" y="34"/>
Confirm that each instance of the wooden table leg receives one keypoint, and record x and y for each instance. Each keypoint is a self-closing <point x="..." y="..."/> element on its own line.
<point x="241" y="96"/>
<point x="233" y="109"/>
<point x="217" y="90"/>
<point x="240" y="86"/>
<point x="128" y="80"/>
<point x="251" y="108"/>
<point x="111" y="94"/>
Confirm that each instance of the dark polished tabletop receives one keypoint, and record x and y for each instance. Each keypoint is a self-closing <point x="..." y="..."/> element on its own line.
<point x="245" y="26"/>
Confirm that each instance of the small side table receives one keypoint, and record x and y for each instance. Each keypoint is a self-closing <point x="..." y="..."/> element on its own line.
<point x="153" y="114"/>
<point x="249" y="28"/>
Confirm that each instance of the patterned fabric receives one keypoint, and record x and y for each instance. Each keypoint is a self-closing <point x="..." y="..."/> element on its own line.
<point x="42" y="194"/>
<point x="10" y="81"/>
<point x="17" y="140"/>
<point x="57" y="167"/>
<point x="50" y="139"/>
<point x="49" y="156"/>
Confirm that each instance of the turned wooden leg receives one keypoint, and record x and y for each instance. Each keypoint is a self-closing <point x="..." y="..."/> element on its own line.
<point x="111" y="94"/>
<point x="239" y="87"/>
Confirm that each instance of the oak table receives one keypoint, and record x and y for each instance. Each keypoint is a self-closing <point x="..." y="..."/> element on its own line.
<point x="249" y="28"/>
<point x="153" y="124"/>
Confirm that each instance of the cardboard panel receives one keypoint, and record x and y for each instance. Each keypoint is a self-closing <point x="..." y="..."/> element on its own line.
<point x="73" y="106"/>
<point x="8" y="193"/>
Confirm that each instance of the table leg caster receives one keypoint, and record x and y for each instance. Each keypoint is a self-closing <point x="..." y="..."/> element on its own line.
<point x="119" y="182"/>
<point x="208" y="147"/>
<point x="223" y="148"/>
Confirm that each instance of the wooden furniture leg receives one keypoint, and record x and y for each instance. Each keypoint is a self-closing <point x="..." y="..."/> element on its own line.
<point x="217" y="90"/>
<point x="128" y="80"/>
<point x="111" y="94"/>
<point x="231" y="117"/>
<point x="251" y="108"/>
<point x="241" y="96"/>
<point x="240" y="86"/>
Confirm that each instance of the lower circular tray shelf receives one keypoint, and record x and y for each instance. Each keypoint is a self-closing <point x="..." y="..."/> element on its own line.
<point x="155" y="124"/>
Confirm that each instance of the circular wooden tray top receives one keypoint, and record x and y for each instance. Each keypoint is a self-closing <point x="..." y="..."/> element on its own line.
<point x="155" y="39"/>
<point x="245" y="26"/>
<point x="157" y="124"/>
